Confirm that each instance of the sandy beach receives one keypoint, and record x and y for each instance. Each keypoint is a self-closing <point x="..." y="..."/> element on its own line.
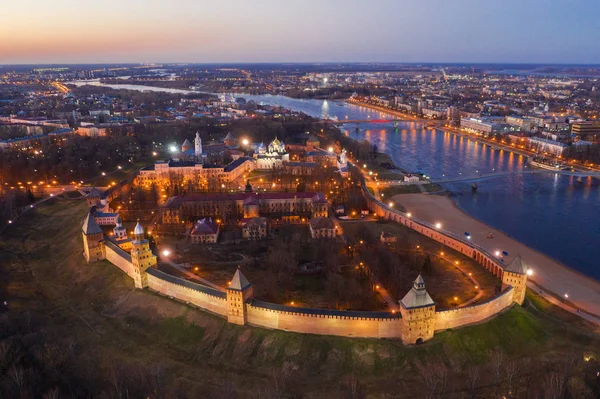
<point x="583" y="292"/>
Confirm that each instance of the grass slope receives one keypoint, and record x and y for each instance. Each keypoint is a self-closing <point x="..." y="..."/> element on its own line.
<point x="194" y="354"/>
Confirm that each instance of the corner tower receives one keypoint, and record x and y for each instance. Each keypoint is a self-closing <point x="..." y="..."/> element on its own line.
<point x="238" y="292"/>
<point x="93" y="239"/>
<point x="515" y="275"/>
<point x="418" y="314"/>
<point x="141" y="257"/>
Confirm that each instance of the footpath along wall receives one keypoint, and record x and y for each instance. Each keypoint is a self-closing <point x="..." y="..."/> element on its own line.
<point x="459" y="244"/>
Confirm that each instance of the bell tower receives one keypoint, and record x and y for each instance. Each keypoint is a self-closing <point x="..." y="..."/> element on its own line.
<point x="93" y="240"/>
<point x="198" y="146"/>
<point x="141" y="257"/>
<point x="238" y="291"/>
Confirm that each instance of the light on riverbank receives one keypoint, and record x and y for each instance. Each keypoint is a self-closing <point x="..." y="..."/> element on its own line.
<point x="438" y="225"/>
<point x="497" y="253"/>
<point x="166" y="252"/>
<point x="409" y="215"/>
<point x="529" y="272"/>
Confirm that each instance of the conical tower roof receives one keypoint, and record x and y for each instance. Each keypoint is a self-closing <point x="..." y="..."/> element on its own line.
<point x="517" y="265"/>
<point x="186" y="144"/>
<point x="94" y="193"/>
<point x="90" y="226"/>
<point x="239" y="281"/>
<point x="229" y="137"/>
<point x="417" y="297"/>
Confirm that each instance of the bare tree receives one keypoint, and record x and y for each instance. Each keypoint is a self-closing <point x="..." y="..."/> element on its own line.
<point x="473" y="374"/>
<point x="435" y="377"/>
<point x="496" y="364"/>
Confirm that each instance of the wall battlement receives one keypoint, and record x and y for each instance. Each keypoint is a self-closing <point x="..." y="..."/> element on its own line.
<point x="416" y="322"/>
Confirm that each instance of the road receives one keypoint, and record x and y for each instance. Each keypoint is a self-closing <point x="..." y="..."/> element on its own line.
<point x="561" y="304"/>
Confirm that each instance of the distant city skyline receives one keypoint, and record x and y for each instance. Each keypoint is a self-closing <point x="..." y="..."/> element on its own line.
<point x="186" y="31"/>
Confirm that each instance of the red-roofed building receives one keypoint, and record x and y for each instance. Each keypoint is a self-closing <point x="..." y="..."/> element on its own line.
<point x="245" y="205"/>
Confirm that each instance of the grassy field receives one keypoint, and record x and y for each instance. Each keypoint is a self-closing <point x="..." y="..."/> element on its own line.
<point x="389" y="192"/>
<point x="84" y="331"/>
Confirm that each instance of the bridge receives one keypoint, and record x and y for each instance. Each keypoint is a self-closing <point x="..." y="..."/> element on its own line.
<point x="342" y="121"/>
<point x="485" y="176"/>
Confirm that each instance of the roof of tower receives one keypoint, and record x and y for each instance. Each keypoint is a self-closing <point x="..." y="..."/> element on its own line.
<point x="239" y="281"/>
<point x="419" y="279"/>
<point x="229" y="136"/>
<point x="187" y="144"/>
<point x="94" y="193"/>
<point x="138" y="230"/>
<point x="517" y="265"/>
<point x="90" y="226"/>
<point x="417" y="297"/>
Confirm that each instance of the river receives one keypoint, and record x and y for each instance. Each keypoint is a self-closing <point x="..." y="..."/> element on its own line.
<point x="553" y="214"/>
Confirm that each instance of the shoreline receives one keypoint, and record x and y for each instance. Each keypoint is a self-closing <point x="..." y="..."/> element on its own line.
<point x="457" y="132"/>
<point x="443" y="128"/>
<point x="552" y="275"/>
<point x="549" y="273"/>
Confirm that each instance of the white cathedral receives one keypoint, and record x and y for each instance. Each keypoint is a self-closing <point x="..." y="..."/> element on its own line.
<point x="272" y="157"/>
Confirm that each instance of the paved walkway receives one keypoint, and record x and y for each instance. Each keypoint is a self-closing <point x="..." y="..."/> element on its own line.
<point x="551" y="275"/>
<point x="553" y="300"/>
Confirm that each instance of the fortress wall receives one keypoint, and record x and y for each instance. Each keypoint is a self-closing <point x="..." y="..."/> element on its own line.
<point x="324" y="324"/>
<point x="466" y="248"/>
<point x="473" y="314"/>
<point x="119" y="258"/>
<point x="187" y="291"/>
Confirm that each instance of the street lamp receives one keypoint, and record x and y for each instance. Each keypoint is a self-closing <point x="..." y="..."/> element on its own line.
<point x="166" y="252"/>
<point x="245" y="142"/>
<point x="530" y="272"/>
<point x="330" y="149"/>
<point x="438" y="225"/>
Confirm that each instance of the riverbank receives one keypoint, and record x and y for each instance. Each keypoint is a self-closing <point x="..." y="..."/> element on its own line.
<point x="452" y="130"/>
<point x="583" y="292"/>
<point x="443" y="128"/>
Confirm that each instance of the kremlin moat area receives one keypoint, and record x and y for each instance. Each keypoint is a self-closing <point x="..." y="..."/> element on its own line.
<point x="173" y="242"/>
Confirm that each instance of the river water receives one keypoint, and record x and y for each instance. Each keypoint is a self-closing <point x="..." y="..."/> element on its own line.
<point x="553" y="214"/>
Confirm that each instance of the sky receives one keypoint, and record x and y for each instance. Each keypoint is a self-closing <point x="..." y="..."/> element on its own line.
<point x="123" y="31"/>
